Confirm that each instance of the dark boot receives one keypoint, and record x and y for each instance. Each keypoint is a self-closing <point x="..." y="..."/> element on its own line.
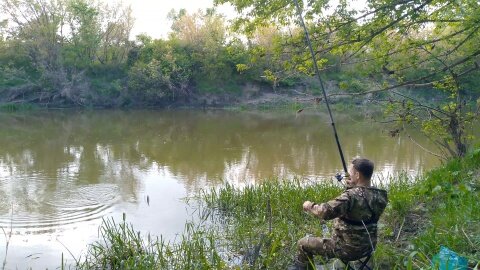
<point x="303" y="260"/>
<point x="298" y="265"/>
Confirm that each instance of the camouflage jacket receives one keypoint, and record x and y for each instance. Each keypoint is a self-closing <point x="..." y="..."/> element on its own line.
<point x="353" y="206"/>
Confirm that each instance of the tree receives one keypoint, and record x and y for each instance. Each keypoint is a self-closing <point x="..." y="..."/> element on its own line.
<point x="204" y="35"/>
<point x="116" y="25"/>
<point x="36" y="27"/>
<point x="161" y="72"/>
<point x="38" y="23"/>
<point x="67" y="42"/>
<point x="408" y="44"/>
<point x="84" y="42"/>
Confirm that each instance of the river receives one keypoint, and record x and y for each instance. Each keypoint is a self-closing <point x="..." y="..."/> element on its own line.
<point x="61" y="172"/>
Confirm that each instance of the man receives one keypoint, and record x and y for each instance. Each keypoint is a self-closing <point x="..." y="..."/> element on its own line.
<point x="356" y="212"/>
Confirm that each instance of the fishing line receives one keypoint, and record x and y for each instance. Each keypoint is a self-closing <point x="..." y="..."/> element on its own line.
<point x="307" y="37"/>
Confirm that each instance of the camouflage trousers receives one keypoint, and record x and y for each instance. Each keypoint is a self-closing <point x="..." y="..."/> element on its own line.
<point x="327" y="248"/>
<point x="310" y="246"/>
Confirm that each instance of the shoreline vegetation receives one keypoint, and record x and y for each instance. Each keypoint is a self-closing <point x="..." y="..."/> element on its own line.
<point x="82" y="55"/>
<point x="256" y="227"/>
<point x="262" y="101"/>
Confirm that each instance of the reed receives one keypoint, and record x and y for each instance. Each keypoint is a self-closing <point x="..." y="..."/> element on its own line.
<point x="8" y="237"/>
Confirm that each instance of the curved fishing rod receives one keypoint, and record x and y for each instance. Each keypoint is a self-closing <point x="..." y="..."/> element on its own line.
<point x="307" y="37"/>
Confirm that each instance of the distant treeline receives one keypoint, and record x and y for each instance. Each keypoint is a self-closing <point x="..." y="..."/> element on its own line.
<point x="79" y="53"/>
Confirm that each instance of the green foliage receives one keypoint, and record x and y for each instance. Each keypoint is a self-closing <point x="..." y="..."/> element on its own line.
<point x="54" y="49"/>
<point x="11" y="77"/>
<point x="63" y="50"/>
<point x="85" y="37"/>
<point x="203" y="34"/>
<point x="11" y="107"/>
<point x="353" y="85"/>
<point x="242" y="68"/>
<point x="162" y="71"/>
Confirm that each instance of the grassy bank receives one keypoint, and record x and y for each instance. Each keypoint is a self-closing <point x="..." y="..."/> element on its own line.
<point x="13" y="107"/>
<point x="256" y="227"/>
<point x="294" y="103"/>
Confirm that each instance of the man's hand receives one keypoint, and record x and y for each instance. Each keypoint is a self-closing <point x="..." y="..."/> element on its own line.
<point x="307" y="206"/>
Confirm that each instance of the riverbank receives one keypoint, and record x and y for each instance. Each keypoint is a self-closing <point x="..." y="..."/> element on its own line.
<point x="256" y="227"/>
<point x="265" y="102"/>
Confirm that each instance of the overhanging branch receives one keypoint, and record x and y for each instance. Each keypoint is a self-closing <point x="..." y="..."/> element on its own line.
<point x="414" y="82"/>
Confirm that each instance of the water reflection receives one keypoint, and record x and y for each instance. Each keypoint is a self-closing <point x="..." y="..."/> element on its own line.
<point x="60" y="172"/>
<point x="49" y="153"/>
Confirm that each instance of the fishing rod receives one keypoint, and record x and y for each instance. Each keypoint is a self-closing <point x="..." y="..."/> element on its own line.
<point x="307" y="37"/>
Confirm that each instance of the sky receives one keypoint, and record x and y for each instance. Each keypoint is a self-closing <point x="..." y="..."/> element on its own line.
<point x="151" y="15"/>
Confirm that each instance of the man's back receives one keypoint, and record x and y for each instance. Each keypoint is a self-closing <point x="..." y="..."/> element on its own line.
<point x="355" y="212"/>
<point x="355" y="230"/>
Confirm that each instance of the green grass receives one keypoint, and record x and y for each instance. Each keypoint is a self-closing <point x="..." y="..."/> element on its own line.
<point x="121" y="247"/>
<point x="230" y="86"/>
<point x="265" y="221"/>
<point x="274" y="106"/>
<point x="441" y="208"/>
<point x="257" y="226"/>
<point x="14" y="107"/>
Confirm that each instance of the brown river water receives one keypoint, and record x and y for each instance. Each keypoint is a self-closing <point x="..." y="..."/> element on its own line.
<point x="61" y="172"/>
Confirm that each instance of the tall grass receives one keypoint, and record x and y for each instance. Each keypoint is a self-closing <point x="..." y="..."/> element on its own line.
<point x="264" y="222"/>
<point x="121" y="247"/>
<point x="8" y="237"/>
<point x="440" y="209"/>
<point x="14" y="107"/>
<point x="257" y="227"/>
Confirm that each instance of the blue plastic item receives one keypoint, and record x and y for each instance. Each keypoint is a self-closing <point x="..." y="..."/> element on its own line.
<point x="447" y="259"/>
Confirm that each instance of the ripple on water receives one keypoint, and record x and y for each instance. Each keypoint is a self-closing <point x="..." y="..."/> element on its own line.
<point x="65" y="207"/>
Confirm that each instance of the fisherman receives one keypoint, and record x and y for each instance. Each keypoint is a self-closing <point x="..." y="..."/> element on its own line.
<point x="355" y="212"/>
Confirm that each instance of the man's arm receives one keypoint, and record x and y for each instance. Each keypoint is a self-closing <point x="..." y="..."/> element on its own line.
<point x="329" y="210"/>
